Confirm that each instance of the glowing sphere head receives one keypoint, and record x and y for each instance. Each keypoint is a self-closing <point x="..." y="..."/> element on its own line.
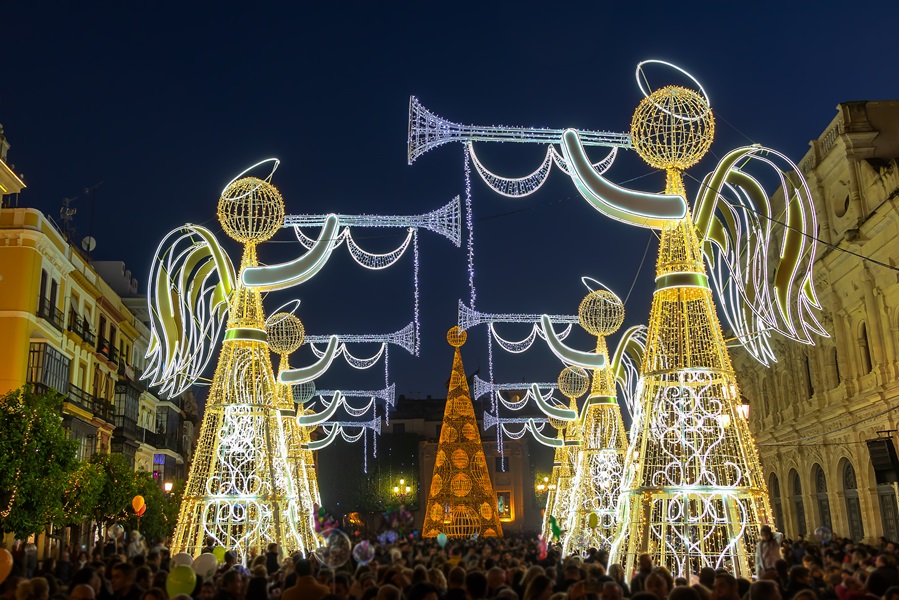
<point x="601" y="312"/>
<point x="251" y="210"/>
<point x="285" y="333"/>
<point x="573" y="382"/>
<point x="456" y="337"/>
<point x="303" y="392"/>
<point x="672" y="128"/>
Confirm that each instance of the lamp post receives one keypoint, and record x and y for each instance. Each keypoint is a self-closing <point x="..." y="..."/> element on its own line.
<point x="167" y="487"/>
<point x="402" y="490"/>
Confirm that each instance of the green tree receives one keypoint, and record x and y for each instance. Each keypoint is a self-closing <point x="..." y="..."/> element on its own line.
<point x="158" y="522"/>
<point x="83" y="492"/>
<point x="37" y="460"/>
<point x="117" y="489"/>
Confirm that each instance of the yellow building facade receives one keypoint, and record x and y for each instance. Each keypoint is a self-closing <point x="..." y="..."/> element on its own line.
<point x="814" y="410"/>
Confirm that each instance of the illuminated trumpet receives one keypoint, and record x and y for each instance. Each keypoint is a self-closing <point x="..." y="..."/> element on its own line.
<point x="388" y="394"/>
<point x="404" y="338"/>
<point x="445" y="221"/>
<point x="482" y="388"/>
<point x="337" y="428"/>
<point x="490" y="420"/>
<point x="469" y="317"/>
<point x="427" y="131"/>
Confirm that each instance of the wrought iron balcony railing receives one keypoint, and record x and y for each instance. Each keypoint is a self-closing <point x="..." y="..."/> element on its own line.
<point x="80" y="327"/>
<point x="47" y="311"/>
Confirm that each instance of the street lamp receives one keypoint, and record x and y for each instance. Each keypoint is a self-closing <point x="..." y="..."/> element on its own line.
<point x="402" y="489"/>
<point x="167" y="487"/>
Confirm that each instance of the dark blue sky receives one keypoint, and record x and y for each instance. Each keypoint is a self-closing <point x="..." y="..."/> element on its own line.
<point x="165" y="102"/>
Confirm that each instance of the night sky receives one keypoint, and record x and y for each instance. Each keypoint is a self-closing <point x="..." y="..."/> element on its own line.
<point x="163" y="103"/>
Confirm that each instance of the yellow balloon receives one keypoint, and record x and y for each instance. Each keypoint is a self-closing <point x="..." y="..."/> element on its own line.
<point x="181" y="580"/>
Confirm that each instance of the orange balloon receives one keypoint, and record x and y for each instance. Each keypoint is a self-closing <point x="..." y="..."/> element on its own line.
<point x="142" y="510"/>
<point x="5" y="564"/>
<point x="137" y="503"/>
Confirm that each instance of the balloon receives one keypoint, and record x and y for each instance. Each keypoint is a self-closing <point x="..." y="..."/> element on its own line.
<point x="205" y="566"/>
<point x="219" y="553"/>
<point x="181" y="580"/>
<point x="554" y="527"/>
<point x="824" y="534"/>
<point x="541" y="547"/>
<point x="334" y="550"/>
<point x="136" y="503"/>
<point x="6" y="563"/>
<point x="140" y="512"/>
<point x="391" y="536"/>
<point x="592" y="520"/>
<point x="363" y="552"/>
<point x="442" y="539"/>
<point x="183" y="558"/>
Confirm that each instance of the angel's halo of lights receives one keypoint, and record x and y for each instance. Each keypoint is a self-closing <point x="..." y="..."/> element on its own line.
<point x="573" y="381"/>
<point x="251" y="210"/>
<point x="601" y="313"/>
<point x="641" y="79"/>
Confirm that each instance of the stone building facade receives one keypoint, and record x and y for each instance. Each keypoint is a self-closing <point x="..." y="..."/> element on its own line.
<point x="814" y="410"/>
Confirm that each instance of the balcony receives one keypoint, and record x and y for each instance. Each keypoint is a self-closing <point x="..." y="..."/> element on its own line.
<point x="127" y="427"/>
<point x="80" y="327"/>
<point x="95" y="406"/>
<point x="47" y="311"/>
<point x="132" y="375"/>
<point x="107" y="350"/>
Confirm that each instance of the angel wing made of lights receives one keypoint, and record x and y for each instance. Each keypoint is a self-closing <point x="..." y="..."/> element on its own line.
<point x="734" y="219"/>
<point x="191" y="281"/>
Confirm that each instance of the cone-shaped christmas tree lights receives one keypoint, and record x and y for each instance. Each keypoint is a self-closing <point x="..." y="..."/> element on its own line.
<point x="461" y="502"/>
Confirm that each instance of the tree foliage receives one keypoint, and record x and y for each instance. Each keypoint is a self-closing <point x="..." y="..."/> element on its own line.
<point x="158" y="522"/>
<point x="36" y="460"/>
<point x="117" y="489"/>
<point x="83" y="492"/>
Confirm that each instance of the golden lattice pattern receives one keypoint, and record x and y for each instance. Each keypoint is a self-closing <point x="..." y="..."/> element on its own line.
<point x="251" y="210"/>
<point x="461" y="502"/>
<point x="672" y="128"/>
<point x="601" y="313"/>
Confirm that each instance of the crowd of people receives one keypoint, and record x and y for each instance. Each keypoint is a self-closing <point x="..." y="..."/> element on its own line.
<point x="510" y="568"/>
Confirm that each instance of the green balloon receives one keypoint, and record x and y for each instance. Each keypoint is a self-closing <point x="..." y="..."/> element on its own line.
<point x="181" y="580"/>
<point x="219" y="553"/>
<point x="593" y="520"/>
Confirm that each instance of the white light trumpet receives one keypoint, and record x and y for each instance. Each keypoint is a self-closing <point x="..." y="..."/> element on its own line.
<point x="428" y="131"/>
<point x="469" y="317"/>
<point x="338" y="428"/>
<point x="404" y="338"/>
<point x="388" y="394"/>
<point x="445" y="221"/>
<point x="482" y="388"/>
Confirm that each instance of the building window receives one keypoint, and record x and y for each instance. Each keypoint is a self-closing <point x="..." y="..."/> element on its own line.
<point x="853" y="508"/>
<point x="836" y="366"/>
<point x="49" y="367"/>
<point x="776" y="502"/>
<point x="502" y="464"/>
<point x="42" y="293"/>
<point x="798" y="506"/>
<point x="865" y="348"/>
<point x="887" y="499"/>
<point x="504" y="505"/>
<point x="821" y="496"/>
<point x="809" y="382"/>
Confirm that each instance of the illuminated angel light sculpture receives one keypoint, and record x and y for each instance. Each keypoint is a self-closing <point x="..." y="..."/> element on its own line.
<point x="591" y="520"/>
<point x="286" y="334"/>
<point x="461" y="502"/>
<point x="694" y="494"/>
<point x="242" y="491"/>
<point x="573" y="383"/>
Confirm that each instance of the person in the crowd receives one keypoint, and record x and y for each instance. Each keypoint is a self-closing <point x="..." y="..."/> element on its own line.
<point x="155" y="594"/>
<point x="538" y="588"/>
<point x="725" y="587"/>
<point x="656" y="583"/>
<point x="36" y="588"/>
<point x="644" y="568"/>
<point x="231" y="586"/>
<point x="764" y="590"/>
<point x="306" y="586"/>
<point x="123" y="583"/>
<point x="767" y="551"/>
<point x="82" y="591"/>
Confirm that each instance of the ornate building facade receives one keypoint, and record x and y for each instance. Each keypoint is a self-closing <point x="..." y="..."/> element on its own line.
<point x="813" y="411"/>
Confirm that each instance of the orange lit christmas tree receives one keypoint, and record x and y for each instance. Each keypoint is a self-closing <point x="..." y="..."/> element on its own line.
<point x="461" y="502"/>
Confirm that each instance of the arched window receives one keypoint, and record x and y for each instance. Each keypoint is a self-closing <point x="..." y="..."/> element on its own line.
<point x="821" y="496"/>
<point x="888" y="512"/>
<point x="774" y="490"/>
<point x="853" y="508"/>
<point x="798" y="506"/>
<point x="865" y="349"/>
